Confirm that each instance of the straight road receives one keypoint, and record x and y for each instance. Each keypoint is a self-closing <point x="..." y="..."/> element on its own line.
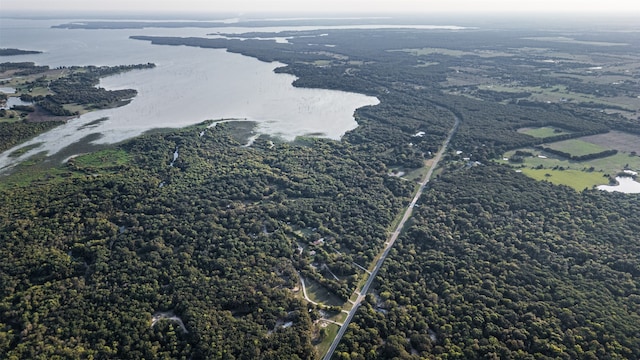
<point x="392" y="239"/>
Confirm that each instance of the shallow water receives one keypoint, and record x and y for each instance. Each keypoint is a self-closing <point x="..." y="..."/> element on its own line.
<point x="189" y="85"/>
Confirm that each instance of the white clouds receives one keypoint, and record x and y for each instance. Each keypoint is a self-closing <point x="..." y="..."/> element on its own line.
<point x="328" y="6"/>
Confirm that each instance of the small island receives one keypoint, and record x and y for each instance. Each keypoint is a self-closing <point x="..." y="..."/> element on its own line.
<point x="13" y="52"/>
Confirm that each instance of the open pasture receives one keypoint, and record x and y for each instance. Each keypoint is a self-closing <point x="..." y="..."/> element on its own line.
<point x="577" y="179"/>
<point x="618" y="140"/>
<point x="576" y="147"/>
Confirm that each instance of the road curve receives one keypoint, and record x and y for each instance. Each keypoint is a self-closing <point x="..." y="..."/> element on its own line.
<point x="304" y="291"/>
<point x="392" y="239"/>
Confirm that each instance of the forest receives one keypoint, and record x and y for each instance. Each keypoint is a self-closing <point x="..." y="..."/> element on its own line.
<point x="124" y="253"/>
<point x="497" y="265"/>
<point x="212" y="238"/>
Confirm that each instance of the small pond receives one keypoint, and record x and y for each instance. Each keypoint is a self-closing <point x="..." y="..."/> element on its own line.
<point x="625" y="185"/>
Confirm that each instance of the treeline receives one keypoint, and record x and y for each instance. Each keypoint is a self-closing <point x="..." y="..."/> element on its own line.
<point x="496" y="265"/>
<point x="25" y="108"/>
<point x="499" y="96"/>
<point x="13" y="133"/>
<point x="25" y="68"/>
<point x="611" y="121"/>
<point x="54" y="108"/>
<point x="566" y="155"/>
<point x="573" y="135"/>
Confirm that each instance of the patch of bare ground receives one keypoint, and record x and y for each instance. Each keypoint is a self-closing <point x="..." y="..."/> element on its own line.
<point x="618" y="140"/>
<point x="168" y="316"/>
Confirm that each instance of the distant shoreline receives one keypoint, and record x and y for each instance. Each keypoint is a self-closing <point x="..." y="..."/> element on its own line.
<point x="13" y="52"/>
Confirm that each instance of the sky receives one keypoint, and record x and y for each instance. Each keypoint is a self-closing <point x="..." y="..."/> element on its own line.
<point x="328" y="6"/>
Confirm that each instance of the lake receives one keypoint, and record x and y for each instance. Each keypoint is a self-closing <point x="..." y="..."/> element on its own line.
<point x="13" y="101"/>
<point x="189" y="85"/>
<point x="625" y="185"/>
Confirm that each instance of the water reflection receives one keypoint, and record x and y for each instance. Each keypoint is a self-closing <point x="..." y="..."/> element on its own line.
<point x="189" y="85"/>
<point x="625" y="185"/>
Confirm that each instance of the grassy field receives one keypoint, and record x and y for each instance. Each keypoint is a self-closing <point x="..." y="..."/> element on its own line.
<point x="30" y="172"/>
<point x="543" y="132"/>
<point x="618" y="140"/>
<point x="322" y="62"/>
<point x="102" y="159"/>
<point x="39" y="91"/>
<point x="581" y="174"/>
<point x="568" y="40"/>
<point x="331" y="332"/>
<point x="22" y="84"/>
<point x="12" y="116"/>
<point x="610" y="164"/>
<point x="616" y="163"/>
<point x="576" y="179"/>
<point x="340" y="317"/>
<point x="35" y="169"/>
<point x="577" y="147"/>
<point x="320" y="294"/>
<point x="456" y="53"/>
<point x="23" y="150"/>
<point x="75" y="107"/>
<point x="417" y="174"/>
<point x="559" y="93"/>
<point x="556" y="93"/>
<point x="600" y="68"/>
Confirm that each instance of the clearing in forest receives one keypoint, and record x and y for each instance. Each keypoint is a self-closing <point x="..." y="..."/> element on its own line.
<point x="576" y="147"/>
<point x="544" y="132"/>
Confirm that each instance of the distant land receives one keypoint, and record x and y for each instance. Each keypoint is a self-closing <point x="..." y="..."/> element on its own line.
<point x="11" y="52"/>
<point x="224" y="239"/>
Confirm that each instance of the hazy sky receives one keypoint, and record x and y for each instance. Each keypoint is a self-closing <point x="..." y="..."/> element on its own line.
<point x="327" y="6"/>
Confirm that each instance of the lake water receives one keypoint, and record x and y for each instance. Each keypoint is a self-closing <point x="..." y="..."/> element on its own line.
<point x="7" y="90"/>
<point x="625" y="185"/>
<point x="12" y="101"/>
<point x="189" y="85"/>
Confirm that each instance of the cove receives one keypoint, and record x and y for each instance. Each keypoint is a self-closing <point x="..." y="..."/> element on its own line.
<point x="189" y="85"/>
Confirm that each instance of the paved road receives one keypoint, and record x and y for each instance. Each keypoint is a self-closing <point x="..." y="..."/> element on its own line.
<point x="392" y="240"/>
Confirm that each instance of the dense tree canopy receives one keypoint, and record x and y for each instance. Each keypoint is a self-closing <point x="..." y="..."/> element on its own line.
<point x="127" y="254"/>
<point x="497" y="265"/>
